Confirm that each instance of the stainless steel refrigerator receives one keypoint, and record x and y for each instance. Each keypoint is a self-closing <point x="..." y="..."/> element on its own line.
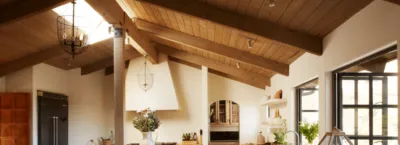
<point x="53" y="118"/>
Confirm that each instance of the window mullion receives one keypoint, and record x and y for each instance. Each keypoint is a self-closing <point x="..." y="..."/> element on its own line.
<point x="385" y="121"/>
<point x="371" y="129"/>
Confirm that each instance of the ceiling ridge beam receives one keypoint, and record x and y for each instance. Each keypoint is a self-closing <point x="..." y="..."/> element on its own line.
<point x="113" y="14"/>
<point x="209" y="46"/>
<point x="23" y="8"/>
<point x="130" y="53"/>
<point x="30" y="60"/>
<point x="264" y="28"/>
<point x="252" y="78"/>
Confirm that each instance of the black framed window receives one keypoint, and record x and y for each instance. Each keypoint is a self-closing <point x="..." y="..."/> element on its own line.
<point x="367" y="107"/>
<point x="307" y="106"/>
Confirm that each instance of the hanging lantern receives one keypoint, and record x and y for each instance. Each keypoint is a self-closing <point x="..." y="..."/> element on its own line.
<point x="72" y="39"/>
<point x="336" y="137"/>
<point x="145" y="77"/>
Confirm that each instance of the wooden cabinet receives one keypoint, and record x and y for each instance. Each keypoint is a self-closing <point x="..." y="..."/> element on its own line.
<point x="224" y="112"/>
<point x="14" y="118"/>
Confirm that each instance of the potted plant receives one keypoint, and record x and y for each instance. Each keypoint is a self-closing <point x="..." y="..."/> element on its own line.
<point x="280" y="138"/>
<point x="146" y="122"/>
<point x="309" y="131"/>
<point x="280" y="135"/>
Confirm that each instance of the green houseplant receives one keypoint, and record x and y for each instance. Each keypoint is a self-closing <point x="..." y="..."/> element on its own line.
<point x="309" y="131"/>
<point x="280" y="137"/>
<point x="146" y="122"/>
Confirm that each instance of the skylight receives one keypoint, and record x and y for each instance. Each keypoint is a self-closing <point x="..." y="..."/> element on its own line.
<point x="87" y="19"/>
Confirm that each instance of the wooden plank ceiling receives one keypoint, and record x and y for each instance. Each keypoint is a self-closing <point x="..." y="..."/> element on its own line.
<point x="29" y="34"/>
<point x="313" y="17"/>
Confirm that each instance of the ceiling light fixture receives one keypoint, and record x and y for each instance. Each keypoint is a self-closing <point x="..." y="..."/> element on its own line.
<point x="250" y="43"/>
<point x="72" y="39"/>
<point x="145" y="77"/>
<point x="271" y="3"/>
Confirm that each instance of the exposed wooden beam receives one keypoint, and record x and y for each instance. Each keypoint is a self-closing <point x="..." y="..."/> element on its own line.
<point x="23" y="8"/>
<point x="30" y="60"/>
<point x="267" y="29"/>
<point x="213" y="47"/>
<point x="248" y="77"/>
<point x="257" y="85"/>
<point x="129" y="54"/>
<point x="394" y="1"/>
<point x="113" y="14"/>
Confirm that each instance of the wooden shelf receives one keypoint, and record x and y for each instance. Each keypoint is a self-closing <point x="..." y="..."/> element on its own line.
<point x="273" y="125"/>
<point x="274" y="102"/>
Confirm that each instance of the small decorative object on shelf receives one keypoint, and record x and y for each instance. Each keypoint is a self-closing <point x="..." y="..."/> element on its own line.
<point x="201" y="137"/>
<point x="146" y="122"/>
<point x="189" y="139"/>
<point x="309" y="131"/>
<point x="91" y="142"/>
<point x="278" y="95"/>
<point x="276" y="122"/>
<point x="336" y="137"/>
<point x="260" y="139"/>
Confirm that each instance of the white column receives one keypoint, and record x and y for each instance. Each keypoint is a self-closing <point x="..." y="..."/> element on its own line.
<point x="204" y="105"/>
<point x="119" y="83"/>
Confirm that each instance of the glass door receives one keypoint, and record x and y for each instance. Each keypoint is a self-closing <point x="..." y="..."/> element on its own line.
<point x="223" y="112"/>
<point x="235" y="113"/>
<point x="213" y="113"/>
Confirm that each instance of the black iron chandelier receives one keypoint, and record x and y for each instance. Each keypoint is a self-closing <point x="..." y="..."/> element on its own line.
<point x="72" y="39"/>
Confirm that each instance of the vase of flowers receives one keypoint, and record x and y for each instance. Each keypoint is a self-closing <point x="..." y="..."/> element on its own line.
<point x="146" y="122"/>
<point x="309" y="131"/>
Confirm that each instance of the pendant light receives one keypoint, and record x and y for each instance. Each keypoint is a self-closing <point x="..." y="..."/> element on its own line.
<point x="145" y="77"/>
<point x="72" y="39"/>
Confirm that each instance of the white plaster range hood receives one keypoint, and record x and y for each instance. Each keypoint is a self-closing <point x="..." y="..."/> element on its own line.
<point x="161" y="96"/>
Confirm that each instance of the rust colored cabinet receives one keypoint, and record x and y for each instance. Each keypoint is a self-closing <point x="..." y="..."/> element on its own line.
<point x="15" y="118"/>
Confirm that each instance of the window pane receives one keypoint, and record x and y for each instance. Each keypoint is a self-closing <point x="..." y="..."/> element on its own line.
<point x="377" y="121"/>
<point x="348" y="124"/>
<point x="392" y="90"/>
<point x="309" y="100"/>
<point x="310" y="117"/>
<point x="377" y="90"/>
<point x="348" y="91"/>
<point x="392" y="122"/>
<point x="363" y="122"/>
<point x="377" y="142"/>
<point x="392" y="142"/>
<point x="363" y="93"/>
<point x="363" y="142"/>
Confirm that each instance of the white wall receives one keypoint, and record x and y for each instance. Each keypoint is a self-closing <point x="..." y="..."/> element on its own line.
<point x="20" y="81"/>
<point x="187" y="81"/>
<point x="90" y="110"/>
<point x="161" y="96"/>
<point x="186" y="119"/>
<point x="372" y="29"/>
<point x="88" y="107"/>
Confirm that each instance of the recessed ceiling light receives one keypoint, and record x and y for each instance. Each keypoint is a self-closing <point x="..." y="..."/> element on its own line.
<point x="250" y="43"/>
<point x="237" y="64"/>
<point x="271" y="3"/>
